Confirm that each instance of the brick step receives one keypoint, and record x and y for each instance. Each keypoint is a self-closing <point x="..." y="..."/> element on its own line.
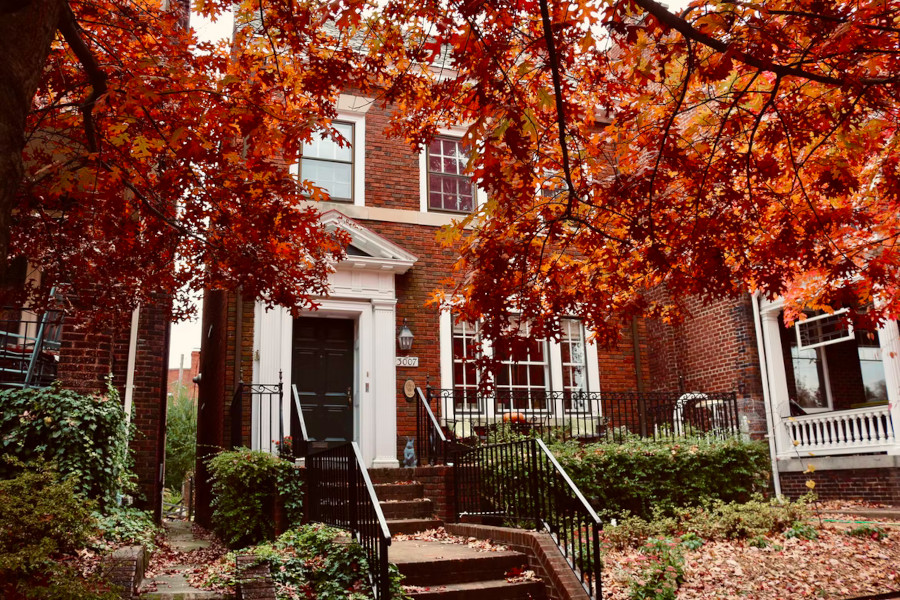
<point x="411" y="526"/>
<point x="436" y="563"/>
<point x="399" y="491"/>
<point x="407" y="509"/>
<point x="499" y="589"/>
<point x="388" y="475"/>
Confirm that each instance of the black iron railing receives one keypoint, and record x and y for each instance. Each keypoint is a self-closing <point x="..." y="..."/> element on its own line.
<point x="266" y="407"/>
<point x="522" y="484"/>
<point x="471" y="417"/>
<point x="340" y="494"/>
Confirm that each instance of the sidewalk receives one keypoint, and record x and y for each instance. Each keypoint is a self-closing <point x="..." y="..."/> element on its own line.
<point x="171" y="583"/>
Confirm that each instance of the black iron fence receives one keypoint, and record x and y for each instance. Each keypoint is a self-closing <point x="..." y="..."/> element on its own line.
<point x="340" y="493"/>
<point x="470" y="417"/>
<point x="522" y="484"/>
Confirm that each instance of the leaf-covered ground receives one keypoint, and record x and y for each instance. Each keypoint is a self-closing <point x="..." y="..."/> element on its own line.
<point x="835" y="565"/>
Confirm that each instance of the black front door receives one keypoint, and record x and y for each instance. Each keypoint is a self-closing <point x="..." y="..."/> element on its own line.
<point x="322" y="370"/>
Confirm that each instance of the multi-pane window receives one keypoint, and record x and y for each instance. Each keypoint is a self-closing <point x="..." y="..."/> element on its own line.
<point x="466" y="347"/>
<point x="329" y="165"/>
<point x="449" y="188"/>
<point x="523" y="376"/>
<point x="871" y="366"/>
<point x="522" y="380"/>
<point x="574" y="364"/>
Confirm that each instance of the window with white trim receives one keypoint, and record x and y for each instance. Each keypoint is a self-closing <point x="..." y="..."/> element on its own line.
<point x="466" y="348"/>
<point x="525" y="377"/>
<point x="449" y="188"/>
<point x="329" y="165"/>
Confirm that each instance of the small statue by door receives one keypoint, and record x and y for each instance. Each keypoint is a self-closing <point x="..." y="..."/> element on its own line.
<point x="409" y="454"/>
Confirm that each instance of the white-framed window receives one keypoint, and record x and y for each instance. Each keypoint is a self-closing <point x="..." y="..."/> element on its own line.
<point x="822" y="330"/>
<point x="329" y="165"/>
<point x="339" y="170"/>
<point x="526" y="377"/>
<point x="811" y="383"/>
<point x="449" y="188"/>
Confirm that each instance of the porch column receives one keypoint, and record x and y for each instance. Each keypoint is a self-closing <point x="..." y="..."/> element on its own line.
<point x="889" y="339"/>
<point x="384" y="420"/>
<point x="777" y="379"/>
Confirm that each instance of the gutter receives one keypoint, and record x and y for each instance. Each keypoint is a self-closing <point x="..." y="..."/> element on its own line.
<point x="132" y="359"/>
<point x="767" y="396"/>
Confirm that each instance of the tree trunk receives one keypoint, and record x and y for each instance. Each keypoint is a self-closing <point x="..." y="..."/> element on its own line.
<point x="27" y="28"/>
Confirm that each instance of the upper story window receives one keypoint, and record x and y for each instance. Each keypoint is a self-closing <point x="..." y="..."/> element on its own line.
<point x="449" y="188"/>
<point x="329" y="165"/>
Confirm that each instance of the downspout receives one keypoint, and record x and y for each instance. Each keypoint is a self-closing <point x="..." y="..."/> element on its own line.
<point x="132" y="359"/>
<point x="638" y="378"/>
<point x="767" y="398"/>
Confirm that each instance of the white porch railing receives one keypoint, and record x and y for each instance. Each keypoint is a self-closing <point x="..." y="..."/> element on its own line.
<point x="840" y="432"/>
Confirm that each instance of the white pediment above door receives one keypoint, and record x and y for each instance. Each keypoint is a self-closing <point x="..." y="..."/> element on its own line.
<point x="368" y="250"/>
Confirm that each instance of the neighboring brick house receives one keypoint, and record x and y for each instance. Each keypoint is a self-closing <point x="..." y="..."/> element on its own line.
<point x="133" y="349"/>
<point x="184" y="375"/>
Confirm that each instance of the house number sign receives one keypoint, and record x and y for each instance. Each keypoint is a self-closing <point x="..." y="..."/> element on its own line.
<point x="407" y="361"/>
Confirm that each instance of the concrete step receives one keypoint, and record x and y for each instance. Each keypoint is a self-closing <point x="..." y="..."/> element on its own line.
<point x="429" y="564"/>
<point x="399" y="491"/>
<point x="176" y="587"/>
<point x="407" y="509"/>
<point x="499" y="589"/>
<point x="408" y="526"/>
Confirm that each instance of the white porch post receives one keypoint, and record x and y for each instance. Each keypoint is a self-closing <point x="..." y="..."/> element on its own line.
<point x="889" y="339"/>
<point x="382" y="425"/>
<point x="778" y="389"/>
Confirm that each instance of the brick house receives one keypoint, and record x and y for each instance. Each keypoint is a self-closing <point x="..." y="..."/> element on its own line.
<point x="344" y="359"/>
<point x="349" y="371"/>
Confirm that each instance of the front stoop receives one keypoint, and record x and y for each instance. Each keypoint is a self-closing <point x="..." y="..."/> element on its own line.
<point x="455" y="571"/>
<point x="403" y="502"/>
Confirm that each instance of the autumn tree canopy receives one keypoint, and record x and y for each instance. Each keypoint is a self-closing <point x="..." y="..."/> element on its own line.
<point x="625" y="150"/>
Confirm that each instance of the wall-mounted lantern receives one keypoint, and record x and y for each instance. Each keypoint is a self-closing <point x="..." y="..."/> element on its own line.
<point x="405" y="337"/>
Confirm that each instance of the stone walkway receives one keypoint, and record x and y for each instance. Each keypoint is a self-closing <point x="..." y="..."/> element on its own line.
<point x="174" y="585"/>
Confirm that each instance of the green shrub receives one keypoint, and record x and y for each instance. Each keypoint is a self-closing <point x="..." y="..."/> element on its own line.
<point x="41" y="518"/>
<point x="661" y="573"/>
<point x="310" y="561"/>
<point x="801" y="531"/>
<point x="741" y="520"/>
<point x="125" y="525"/>
<point x="716" y="521"/>
<point x="245" y="486"/>
<point x="85" y="436"/>
<point x="181" y="437"/>
<point x="868" y="531"/>
<point x="639" y="476"/>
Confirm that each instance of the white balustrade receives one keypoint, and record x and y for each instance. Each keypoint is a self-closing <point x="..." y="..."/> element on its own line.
<point x="839" y="432"/>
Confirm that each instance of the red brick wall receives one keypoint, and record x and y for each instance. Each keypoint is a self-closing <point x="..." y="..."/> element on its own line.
<point x="873" y="485"/>
<point x="713" y="350"/>
<point x="392" y="169"/>
<point x="87" y="356"/>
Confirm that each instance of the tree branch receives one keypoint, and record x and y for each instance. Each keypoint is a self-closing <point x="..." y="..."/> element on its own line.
<point x="687" y="30"/>
<point x="68" y="27"/>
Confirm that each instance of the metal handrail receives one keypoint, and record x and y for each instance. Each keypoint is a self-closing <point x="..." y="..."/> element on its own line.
<point x="304" y="436"/>
<point x="430" y="438"/>
<point x="522" y="483"/>
<point x="341" y="494"/>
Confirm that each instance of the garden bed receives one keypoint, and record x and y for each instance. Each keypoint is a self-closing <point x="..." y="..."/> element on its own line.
<point x="833" y="565"/>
